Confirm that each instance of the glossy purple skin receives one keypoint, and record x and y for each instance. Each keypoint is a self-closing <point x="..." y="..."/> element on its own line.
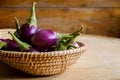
<point x="10" y="45"/>
<point x="48" y="50"/>
<point x="31" y="49"/>
<point x="76" y="44"/>
<point x="26" y="32"/>
<point x="4" y="40"/>
<point x="44" y="39"/>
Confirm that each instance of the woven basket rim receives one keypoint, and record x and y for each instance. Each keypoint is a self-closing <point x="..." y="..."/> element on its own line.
<point x="7" y="29"/>
<point x="51" y="53"/>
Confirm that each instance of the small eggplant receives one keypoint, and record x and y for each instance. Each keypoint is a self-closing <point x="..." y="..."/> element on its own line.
<point x="44" y="39"/>
<point x="29" y="28"/>
<point x="75" y="44"/>
<point x="9" y="45"/>
<point x="4" y="40"/>
<point x="22" y="45"/>
<point x="65" y="40"/>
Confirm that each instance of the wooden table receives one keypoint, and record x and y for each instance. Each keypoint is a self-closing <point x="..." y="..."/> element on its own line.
<point x="101" y="61"/>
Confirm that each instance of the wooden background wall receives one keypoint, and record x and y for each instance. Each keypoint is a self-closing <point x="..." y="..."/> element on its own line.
<point x="101" y="17"/>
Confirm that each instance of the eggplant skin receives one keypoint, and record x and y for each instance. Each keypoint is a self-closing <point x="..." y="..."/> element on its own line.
<point x="44" y="39"/>
<point x="10" y="45"/>
<point x="31" y="49"/>
<point x="26" y="32"/>
<point x="5" y="40"/>
<point x="74" y="43"/>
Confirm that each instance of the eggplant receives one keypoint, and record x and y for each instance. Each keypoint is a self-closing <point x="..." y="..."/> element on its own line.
<point x="44" y="39"/>
<point x="73" y="45"/>
<point x="24" y="47"/>
<point x="30" y="27"/>
<point x="66" y="41"/>
<point x="9" y="45"/>
<point x="4" y="40"/>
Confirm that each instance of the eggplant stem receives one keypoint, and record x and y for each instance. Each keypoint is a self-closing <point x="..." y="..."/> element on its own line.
<point x="17" y="24"/>
<point x="32" y="18"/>
<point x="2" y="44"/>
<point x="78" y="31"/>
<point x="23" y="46"/>
<point x="66" y="40"/>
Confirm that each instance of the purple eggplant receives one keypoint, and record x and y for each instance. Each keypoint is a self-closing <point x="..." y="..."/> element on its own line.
<point x="75" y="44"/>
<point x="22" y="45"/>
<point x="66" y="41"/>
<point x="29" y="28"/>
<point x="9" y="45"/>
<point x="44" y="39"/>
<point x="4" y="40"/>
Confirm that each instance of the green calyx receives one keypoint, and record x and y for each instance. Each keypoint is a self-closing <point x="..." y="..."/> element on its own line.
<point x="23" y="46"/>
<point x="2" y="44"/>
<point x="65" y="40"/>
<point x="17" y="24"/>
<point x="32" y="18"/>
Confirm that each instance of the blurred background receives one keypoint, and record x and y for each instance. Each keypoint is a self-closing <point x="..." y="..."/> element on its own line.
<point x="99" y="17"/>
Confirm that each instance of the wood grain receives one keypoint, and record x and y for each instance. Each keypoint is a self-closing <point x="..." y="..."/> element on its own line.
<point x="102" y="21"/>
<point x="98" y="17"/>
<point x="61" y="3"/>
<point x="83" y="3"/>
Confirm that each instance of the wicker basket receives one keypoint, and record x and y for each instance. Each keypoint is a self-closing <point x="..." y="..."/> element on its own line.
<point x="39" y="63"/>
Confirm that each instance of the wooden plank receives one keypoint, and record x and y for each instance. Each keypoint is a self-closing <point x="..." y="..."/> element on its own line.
<point x="16" y="3"/>
<point x="103" y="21"/>
<point x="61" y="3"/>
<point x="84" y="3"/>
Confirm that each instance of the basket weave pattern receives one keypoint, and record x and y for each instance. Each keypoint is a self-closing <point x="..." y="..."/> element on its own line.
<point x="39" y="63"/>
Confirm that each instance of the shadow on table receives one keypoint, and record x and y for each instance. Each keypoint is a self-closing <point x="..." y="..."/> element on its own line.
<point x="11" y="73"/>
